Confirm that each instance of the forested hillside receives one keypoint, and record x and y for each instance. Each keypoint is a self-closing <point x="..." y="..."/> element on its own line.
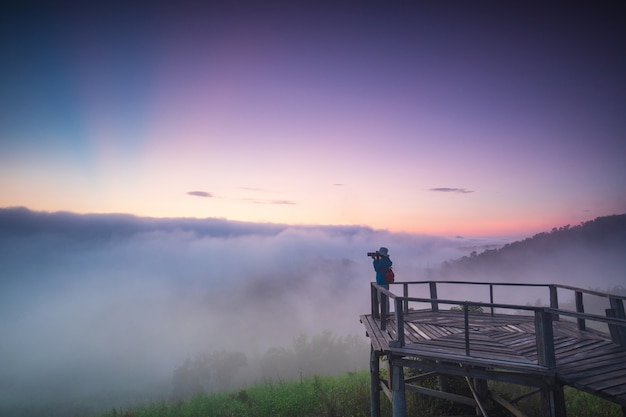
<point x="590" y="255"/>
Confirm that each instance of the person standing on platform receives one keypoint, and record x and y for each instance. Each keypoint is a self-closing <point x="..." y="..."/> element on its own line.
<point x="382" y="263"/>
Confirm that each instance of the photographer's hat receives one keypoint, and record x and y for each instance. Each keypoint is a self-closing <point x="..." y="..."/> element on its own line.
<point x="384" y="251"/>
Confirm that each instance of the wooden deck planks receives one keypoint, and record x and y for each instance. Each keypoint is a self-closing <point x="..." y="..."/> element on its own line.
<point x="600" y="361"/>
<point x="587" y="360"/>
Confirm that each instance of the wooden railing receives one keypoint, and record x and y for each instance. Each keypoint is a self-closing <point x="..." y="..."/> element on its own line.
<point x="615" y="317"/>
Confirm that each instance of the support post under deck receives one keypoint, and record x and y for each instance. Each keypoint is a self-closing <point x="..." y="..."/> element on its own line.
<point x="374" y="383"/>
<point x="398" y="391"/>
<point x="553" y="401"/>
<point x="481" y="388"/>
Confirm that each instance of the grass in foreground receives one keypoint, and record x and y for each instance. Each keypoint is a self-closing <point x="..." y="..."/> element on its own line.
<point x="343" y="396"/>
<point x="346" y="395"/>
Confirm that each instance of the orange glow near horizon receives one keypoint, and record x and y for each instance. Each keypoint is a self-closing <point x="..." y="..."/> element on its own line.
<point x="264" y="213"/>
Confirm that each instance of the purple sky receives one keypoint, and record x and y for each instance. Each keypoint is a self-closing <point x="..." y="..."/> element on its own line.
<point x="475" y="120"/>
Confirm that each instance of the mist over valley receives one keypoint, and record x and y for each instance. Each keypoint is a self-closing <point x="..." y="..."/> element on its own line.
<point x="95" y="306"/>
<point x="92" y="304"/>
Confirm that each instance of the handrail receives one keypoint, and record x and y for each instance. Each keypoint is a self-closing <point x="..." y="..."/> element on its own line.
<point x="514" y="284"/>
<point x="544" y="316"/>
<point x="616" y="300"/>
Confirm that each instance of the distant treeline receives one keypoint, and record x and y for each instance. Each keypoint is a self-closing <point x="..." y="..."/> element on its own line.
<point x="321" y="354"/>
<point x="592" y="251"/>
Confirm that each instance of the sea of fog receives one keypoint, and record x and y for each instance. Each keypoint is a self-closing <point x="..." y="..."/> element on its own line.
<point x="114" y="304"/>
<point x="92" y="304"/>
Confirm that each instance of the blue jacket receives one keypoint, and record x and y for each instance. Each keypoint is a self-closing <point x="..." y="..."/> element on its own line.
<point x="380" y="266"/>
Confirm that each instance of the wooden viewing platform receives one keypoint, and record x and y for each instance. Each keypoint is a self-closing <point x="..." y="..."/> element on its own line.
<point x="542" y="347"/>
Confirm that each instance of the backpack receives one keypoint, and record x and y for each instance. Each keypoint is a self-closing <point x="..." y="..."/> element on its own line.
<point x="390" y="277"/>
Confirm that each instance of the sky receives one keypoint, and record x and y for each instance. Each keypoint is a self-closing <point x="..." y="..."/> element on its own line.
<point x="473" y="120"/>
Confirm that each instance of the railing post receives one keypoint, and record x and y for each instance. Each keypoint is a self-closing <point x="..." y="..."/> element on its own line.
<point x="399" y="322"/>
<point x="554" y="300"/>
<point x="618" y="333"/>
<point x="375" y="304"/>
<point x="491" y="297"/>
<point x="405" y="294"/>
<point x="466" y="320"/>
<point x="618" y="305"/>
<point x="545" y="339"/>
<point x="384" y="302"/>
<point x="580" y="308"/>
<point x="433" y="296"/>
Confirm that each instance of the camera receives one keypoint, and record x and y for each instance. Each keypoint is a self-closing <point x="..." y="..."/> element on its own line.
<point x="373" y="254"/>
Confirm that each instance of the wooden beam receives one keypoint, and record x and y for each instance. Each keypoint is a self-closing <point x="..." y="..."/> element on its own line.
<point x="580" y="308"/>
<point x="398" y="391"/>
<point x="433" y="296"/>
<point x="374" y="383"/>
<point x="385" y="389"/>
<point x="375" y="310"/>
<point x="443" y="395"/>
<point x="420" y="376"/>
<point x="477" y="398"/>
<point x="491" y="298"/>
<point x="617" y="304"/>
<point x="530" y="380"/>
<point x="474" y="361"/>
<point x="405" y="294"/>
<point x="466" y="326"/>
<point x="553" y="402"/>
<point x="545" y="339"/>
<point x="399" y="322"/>
<point x="554" y="299"/>
<point x="613" y="329"/>
<point x="504" y="403"/>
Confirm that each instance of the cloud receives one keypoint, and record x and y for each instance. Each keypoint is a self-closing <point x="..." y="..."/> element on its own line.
<point x="278" y="202"/>
<point x="452" y="190"/>
<point x="200" y="194"/>
<point x="121" y="300"/>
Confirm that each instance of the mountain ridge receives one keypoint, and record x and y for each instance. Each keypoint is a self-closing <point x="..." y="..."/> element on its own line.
<point x="582" y="253"/>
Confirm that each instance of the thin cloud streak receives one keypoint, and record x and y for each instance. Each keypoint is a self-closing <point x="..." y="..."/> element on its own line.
<point x="452" y="190"/>
<point x="276" y="202"/>
<point x="200" y="194"/>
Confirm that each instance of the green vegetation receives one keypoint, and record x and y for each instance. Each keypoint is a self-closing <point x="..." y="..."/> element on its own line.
<point x="581" y="404"/>
<point x="347" y="395"/>
<point x="219" y="371"/>
<point x="577" y="403"/>
<point x="470" y="308"/>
